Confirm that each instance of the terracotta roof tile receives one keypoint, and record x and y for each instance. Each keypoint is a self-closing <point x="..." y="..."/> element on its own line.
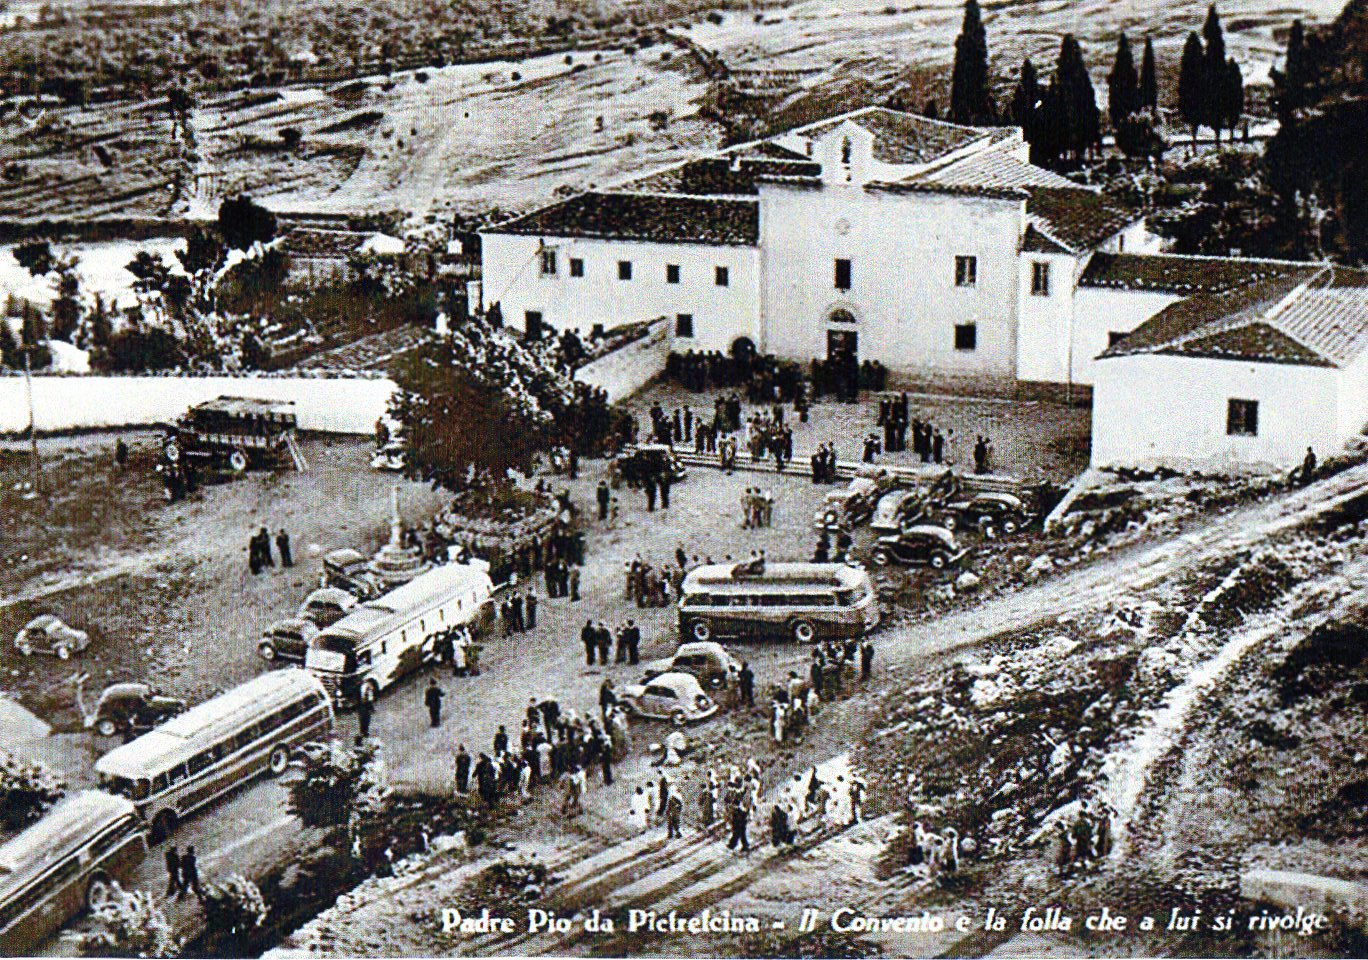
<point x="906" y="138"/>
<point x="1076" y="216"/>
<point x="652" y="218"/>
<point x="1168" y="273"/>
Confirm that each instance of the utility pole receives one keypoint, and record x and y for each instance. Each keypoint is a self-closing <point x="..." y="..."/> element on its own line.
<point x="34" y="469"/>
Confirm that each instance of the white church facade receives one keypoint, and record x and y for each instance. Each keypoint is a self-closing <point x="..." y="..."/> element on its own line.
<point x="941" y="252"/>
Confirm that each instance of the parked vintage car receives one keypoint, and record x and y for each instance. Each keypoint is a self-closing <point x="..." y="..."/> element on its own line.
<point x="854" y="504"/>
<point x="991" y="512"/>
<point x="673" y="696"/>
<point x="898" y="509"/>
<point x="633" y="465"/>
<point x="326" y="606"/>
<point x="47" y="633"/>
<point x="709" y="661"/>
<point x="287" y="640"/>
<point x="132" y="708"/>
<point x="349" y="570"/>
<point x="922" y="545"/>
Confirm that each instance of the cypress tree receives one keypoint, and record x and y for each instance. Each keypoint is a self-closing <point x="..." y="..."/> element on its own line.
<point x="1213" y="92"/>
<point x="969" y="98"/>
<point x="1149" y="79"/>
<point x="1026" y="97"/>
<point x="1192" y="85"/>
<point x="1123" y="86"/>
<point x="1290" y="84"/>
<point x="1232" y="95"/>
<point x="1079" y="120"/>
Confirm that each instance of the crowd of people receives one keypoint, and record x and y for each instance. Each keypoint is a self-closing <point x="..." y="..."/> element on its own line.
<point x="652" y="585"/>
<point x="555" y="745"/>
<point x="1084" y="838"/>
<point x="765" y="378"/>
<point x="757" y="508"/>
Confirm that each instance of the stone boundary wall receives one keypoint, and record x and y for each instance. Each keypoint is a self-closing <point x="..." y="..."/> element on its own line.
<point x="626" y="370"/>
<point x="327" y="404"/>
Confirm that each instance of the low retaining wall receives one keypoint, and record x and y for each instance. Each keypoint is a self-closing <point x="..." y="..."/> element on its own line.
<point x="328" y="404"/>
<point x="625" y="371"/>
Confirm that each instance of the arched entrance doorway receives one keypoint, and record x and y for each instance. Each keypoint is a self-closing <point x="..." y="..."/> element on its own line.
<point x="842" y="352"/>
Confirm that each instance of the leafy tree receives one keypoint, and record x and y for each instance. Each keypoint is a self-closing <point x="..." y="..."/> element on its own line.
<point x="130" y="924"/>
<point x="9" y="346"/>
<point x="36" y="257"/>
<point x="1149" y="79"/>
<point x="1192" y="90"/>
<point x="26" y="789"/>
<point x="233" y="910"/>
<point x="243" y="223"/>
<point x="969" y="97"/>
<point x="136" y="348"/>
<point x="1138" y="136"/>
<point x="333" y="781"/>
<point x="100" y="328"/>
<point x="1123" y="86"/>
<point x="204" y="250"/>
<point x="66" y="308"/>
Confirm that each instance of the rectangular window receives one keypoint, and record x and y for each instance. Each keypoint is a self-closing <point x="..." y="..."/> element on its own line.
<point x="722" y="276"/>
<point x="966" y="336"/>
<point x="1040" y="279"/>
<point x="1116" y="336"/>
<point x="548" y="259"/>
<point x="966" y="271"/>
<point x="576" y="267"/>
<point x="1242" y="418"/>
<point x="842" y="274"/>
<point x="671" y="273"/>
<point x="624" y="269"/>
<point x="684" y="325"/>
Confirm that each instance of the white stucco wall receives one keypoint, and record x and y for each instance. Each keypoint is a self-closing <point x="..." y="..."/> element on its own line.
<point x="902" y="250"/>
<point x="1044" y="323"/>
<point x="1150" y="409"/>
<point x="1101" y="311"/>
<point x="512" y="276"/>
<point x="1353" y="401"/>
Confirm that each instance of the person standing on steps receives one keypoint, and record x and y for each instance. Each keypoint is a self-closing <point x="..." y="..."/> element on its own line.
<point x="433" y="700"/>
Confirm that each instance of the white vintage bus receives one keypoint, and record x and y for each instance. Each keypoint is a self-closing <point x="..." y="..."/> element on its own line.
<point x="220" y="744"/>
<point x="387" y="638"/>
<point x="64" y="863"/>
<point x="801" y="601"/>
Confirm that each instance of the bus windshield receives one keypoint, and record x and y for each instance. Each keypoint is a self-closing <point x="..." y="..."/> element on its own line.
<point x="124" y="787"/>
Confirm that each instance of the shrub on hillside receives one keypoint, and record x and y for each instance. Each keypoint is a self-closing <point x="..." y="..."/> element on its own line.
<point x="129" y="924"/>
<point x="26" y="791"/>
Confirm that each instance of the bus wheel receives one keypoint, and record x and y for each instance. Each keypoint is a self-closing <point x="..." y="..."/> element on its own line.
<point x="106" y="727"/>
<point x="701" y="631"/>
<point x="280" y="761"/>
<point x="803" y="631"/>
<point x="237" y="461"/>
<point x="938" y="561"/>
<point x="163" y="825"/>
<point x="98" y="891"/>
<point x="1010" y="526"/>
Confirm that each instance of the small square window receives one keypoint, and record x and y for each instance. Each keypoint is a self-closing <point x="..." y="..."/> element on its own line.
<point x="1242" y="418"/>
<point x="548" y="262"/>
<point x="966" y="271"/>
<point x="684" y="325"/>
<point x="624" y="269"/>
<point x="722" y="276"/>
<point x="1040" y="279"/>
<point x="671" y="273"/>
<point x="842" y="274"/>
<point x="576" y="267"/>
<point x="966" y="336"/>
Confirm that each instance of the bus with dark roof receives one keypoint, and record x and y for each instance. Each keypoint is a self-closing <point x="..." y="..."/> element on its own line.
<point x="64" y="863"/>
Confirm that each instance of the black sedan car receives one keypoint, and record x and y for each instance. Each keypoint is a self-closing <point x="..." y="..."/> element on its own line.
<point x="918" y="546"/>
<point x="991" y="512"/>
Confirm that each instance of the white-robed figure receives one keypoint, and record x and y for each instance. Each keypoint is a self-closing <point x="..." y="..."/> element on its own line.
<point x="780" y="720"/>
<point x="460" y="651"/>
<point x="638" y="813"/>
<point x="651" y="799"/>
